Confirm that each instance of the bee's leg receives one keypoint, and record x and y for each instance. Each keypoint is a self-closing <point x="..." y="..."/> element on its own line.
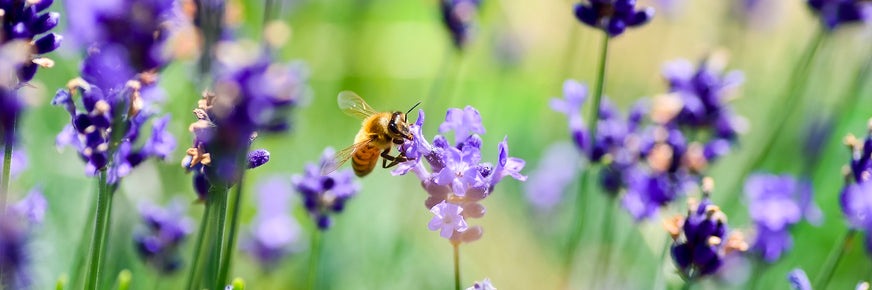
<point x="394" y="160"/>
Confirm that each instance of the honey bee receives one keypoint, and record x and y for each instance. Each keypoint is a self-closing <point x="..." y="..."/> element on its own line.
<point x="379" y="132"/>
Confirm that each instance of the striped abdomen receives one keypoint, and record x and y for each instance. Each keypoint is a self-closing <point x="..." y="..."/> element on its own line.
<point x="364" y="159"/>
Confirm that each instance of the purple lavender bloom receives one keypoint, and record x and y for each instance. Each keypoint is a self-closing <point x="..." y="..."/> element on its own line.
<point x="16" y="229"/>
<point x="250" y="97"/>
<point x="29" y="23"/>
<point x="112" y="112"/>
<point x="464" y="123"/>
<point x="455" y="175"/>
<point x="165" y="230"/>
<point x="14" y="260"/>
<point x="856" y="196"/>
<point x="483" y="285"/>
<point x="798" y="280"/>
<point x="257" y="158"/>
<point x="612" y="16"/>
<point x="137" y="29"/>
<point x="447" y="219"/>
<point x="459" y="17"/>
<point x="700" y="238"/>
<point x="274" y="233"/>
<point x="834" y="13"/>
<point x="32" y="207"/>
<point x="557" y="170"/>
<point x="703" y="94"/>
<point x="777" y="203"/>
<point x="324" y="195"/>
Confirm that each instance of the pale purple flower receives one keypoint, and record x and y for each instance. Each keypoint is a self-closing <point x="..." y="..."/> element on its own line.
<point x="447" y="219"/>
<point x="158" y="242"/>
<point x="482" y="285"/>
<point x="33" y="207"/>
<point x="557" y="169"/>
<point x="798" y="280"/>
<point x="274" y="233"/>
<point x="464" y="123"/>
<point x="455" y="174"/>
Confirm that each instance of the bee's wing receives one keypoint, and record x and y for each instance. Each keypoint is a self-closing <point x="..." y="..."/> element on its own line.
<point x="353" y="105"/>
<point x="342" y="156"/>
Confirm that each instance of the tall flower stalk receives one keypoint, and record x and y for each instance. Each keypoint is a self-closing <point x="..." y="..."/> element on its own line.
<point x="456" y="181"/>
<point x="613" y="18"/>
<point x="323" y="196"/>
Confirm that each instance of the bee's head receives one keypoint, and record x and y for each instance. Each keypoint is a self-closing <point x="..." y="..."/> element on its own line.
<point x="399" y="127"/>
<point x="399" y="124"/>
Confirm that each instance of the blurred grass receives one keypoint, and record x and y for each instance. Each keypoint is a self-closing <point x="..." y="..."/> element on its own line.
<point x="390" y="51"/>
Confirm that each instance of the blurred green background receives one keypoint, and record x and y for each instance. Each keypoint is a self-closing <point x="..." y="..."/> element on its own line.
<point x="391" y="52"/>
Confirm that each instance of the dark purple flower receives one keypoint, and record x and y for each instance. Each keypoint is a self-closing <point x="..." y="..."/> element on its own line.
<point x="459" y="17"/>
<point x="14" y="260"/>
<point x="106" y="126"/>
<point x="137" y="29"/>
<point x="257" y="158"/>
<point x="28" y="23"/>
<point x="612" y="16"/>
<point x="324" y="194"/>
<point x="856" y="196"/>
<point x="251" y="96"/>
<point x="10" y="110"/>
<point x="702" y="94"/>
<point x="165" y="229"/>
<point x="557" y="169"/>
<point x="456" y="175"/>
<point x="700" y="239"/>
<point x="798" y="280"/>
<point x="274" y="233"/>
<point x="834" y="13"/>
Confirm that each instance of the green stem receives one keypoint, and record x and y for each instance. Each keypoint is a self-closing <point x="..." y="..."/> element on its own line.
<point x="606" y="244"/>
<point x="84" y="246"/>
<point x="659" y="281"/>
<point x="227" y="252"/>
<point x="221" y="226"/>
<point x="823" y="279"/>
<point x="314" y="259"/>
<point x="7" y="172"/>
<point x="575" y="235"/>
<point x="197" y="261"/>
<point x="687" y="284"/>
<point x="456" y="266"/>
<point x="101" y="231"/>
<point x="598" y="93"/>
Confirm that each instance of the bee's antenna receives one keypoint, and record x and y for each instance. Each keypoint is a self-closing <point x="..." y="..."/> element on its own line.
<point x="412" y="108"/>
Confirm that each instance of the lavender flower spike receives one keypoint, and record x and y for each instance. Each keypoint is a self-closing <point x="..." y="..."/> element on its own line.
<point x="612" y="16"/>
<point x="165" y="229"/>
<point x="324" y="195"/>
<point x="274" y="233"/>
<point x="700" y="238"/>
<point x="456" y="181"/>
<point x="777" y="203"/>
<point x="835" y="13"/>
<point x="29" y="24"/>
<point x="459" y="17"/>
